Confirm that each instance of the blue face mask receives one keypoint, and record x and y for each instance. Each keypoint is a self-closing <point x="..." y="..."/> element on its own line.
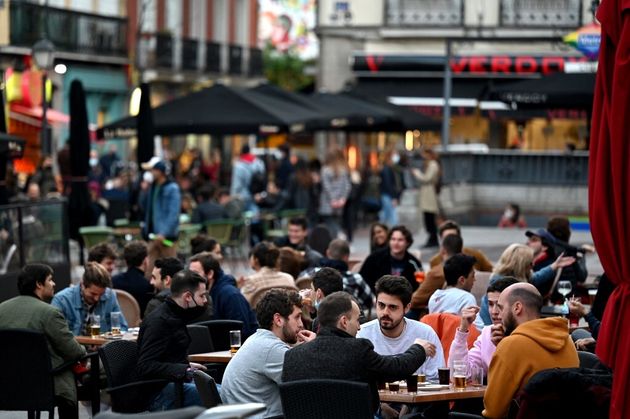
<point x="316" y="305"/>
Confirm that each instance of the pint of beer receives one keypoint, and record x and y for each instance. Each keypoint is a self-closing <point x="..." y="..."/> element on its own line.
<point x="460" y="382"/>
<point x="95" y="325"/>
<point x="235" y="341"/>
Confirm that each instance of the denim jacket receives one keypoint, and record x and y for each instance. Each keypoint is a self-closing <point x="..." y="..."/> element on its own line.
<point x="163" y="213"/>
<point x="71" y="305"/>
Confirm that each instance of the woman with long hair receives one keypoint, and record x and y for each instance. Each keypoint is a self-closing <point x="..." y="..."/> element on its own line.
<point x="378" y="236"/>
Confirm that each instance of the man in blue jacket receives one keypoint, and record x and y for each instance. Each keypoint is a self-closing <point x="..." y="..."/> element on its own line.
<point x="227" y="300"/>
<point x="161" y="212"/>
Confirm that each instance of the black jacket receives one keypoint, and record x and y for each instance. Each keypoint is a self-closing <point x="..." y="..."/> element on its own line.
<point x="379" y="263"/>
<point x="134" y="282"/>
<point x="336" y="355"/>
<point x="163" y="344"/>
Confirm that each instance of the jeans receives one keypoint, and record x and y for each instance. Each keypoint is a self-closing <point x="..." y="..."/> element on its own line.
<point x="388" y="214"/>
<point x="165" y="399"/>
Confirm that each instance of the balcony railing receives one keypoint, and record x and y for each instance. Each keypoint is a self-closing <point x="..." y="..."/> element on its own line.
<point x="190" y="52"/>
<point x="236" y="60"/>
<point x="429" y="13"/>
<point x="255" y="62"/>
<point x="541" y="13"/>
<point x="213" y="57"/>
<point x="70" y="31"/>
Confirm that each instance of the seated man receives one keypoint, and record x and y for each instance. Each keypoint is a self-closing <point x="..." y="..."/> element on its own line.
<point x="337" y="256"/>
<point x="105" y="254"/>
<point x="391" y="333"/>
<point x="32" y="310"/>
<point x="161" y="277"/>
<point x="451" y="227"/>
<point x="336" y="354"/>
<point x="460" y="278"/>
<point x="296" y="239"/>
<point x="93" y="296"/>
<point x="530" y="345"/>
<point x="253" y="374"/>
<point x="325" y="282"/>
<point x="394" y="260"/>
<point x="228" y="302"/>
<point x="434" y="280"/>
<point x="485" y="345"/>
<point x="133" y="280"/>
<point x="163" y="340"/>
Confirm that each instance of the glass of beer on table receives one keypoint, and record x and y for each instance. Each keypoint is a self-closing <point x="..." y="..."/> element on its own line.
<point x="115" y="318"/>
<point x="459" y="374"/>
<point x="95" y="325"/>
<point x="235" y="341"/>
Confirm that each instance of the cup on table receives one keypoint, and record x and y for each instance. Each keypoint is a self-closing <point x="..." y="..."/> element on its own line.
<point x="394" y="387"/>
<point x="444" y="375"/>
<point x="95" y="325"/>
<point x="115" y="320"/>
<point x="422" y="378"/>
<point x="412" y="384"/>
<point x="235" y="341"/>
<point x="459" y="374"/>
<point x="476" y="376"/>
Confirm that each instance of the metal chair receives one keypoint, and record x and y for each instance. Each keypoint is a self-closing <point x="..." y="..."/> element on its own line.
<point x="315" y="399"/>
<point x="200" y="341"/>
<point x="129" y="393"/>
<point x="95" y="235"/>
<point x="207" y="389"/>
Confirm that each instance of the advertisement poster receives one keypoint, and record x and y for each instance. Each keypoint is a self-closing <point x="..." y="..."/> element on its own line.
<point x="288" y="26"/>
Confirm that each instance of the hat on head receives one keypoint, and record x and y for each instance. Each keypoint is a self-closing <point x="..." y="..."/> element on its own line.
<point x="155" y="163"/>
<point x="543" y="234"/>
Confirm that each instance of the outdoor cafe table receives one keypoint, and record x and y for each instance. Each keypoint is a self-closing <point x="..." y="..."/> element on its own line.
<point x="101" y="340"/>
<point x="220" y="356"/>
<point x="431" y="396"/>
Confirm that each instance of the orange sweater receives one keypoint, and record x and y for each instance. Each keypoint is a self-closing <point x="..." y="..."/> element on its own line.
<point x="533" y="346"/>
<point x="482" y="264"/>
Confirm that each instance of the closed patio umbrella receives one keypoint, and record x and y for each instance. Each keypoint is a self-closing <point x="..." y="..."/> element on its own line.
<point x="145" y="127"/>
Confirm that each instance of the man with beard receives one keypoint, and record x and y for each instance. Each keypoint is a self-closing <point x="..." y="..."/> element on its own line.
<point x="530" y="345"/>
<point x="32" y="310"/>
<point x="253" y="374"/>
<point x="391" y="333"/>
<point x="163" y="340"/>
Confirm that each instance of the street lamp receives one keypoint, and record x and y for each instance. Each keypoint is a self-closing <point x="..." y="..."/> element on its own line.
<point x="44" y="56"/>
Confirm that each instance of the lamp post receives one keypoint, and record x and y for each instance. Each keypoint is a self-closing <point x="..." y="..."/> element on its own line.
<point x="44" y="56"/>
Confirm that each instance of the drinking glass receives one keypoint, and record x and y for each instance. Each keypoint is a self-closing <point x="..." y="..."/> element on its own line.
<point x="95" y="325"/>
<point x="115" y="318"/>
<point x="564" y="288"/>
<point x="459" y="374"/>
<point x="235" y="341"/>
<point x="476" y="376"/>
<point x="412" y="384"/>
<point x="444" y="375"/>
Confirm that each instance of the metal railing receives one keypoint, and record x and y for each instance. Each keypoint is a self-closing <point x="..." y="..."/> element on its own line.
<point x="69" y="30"/>
<point x="440" y="13"/>
<point x="510" y="167"/>
<point x="541" y="13"/>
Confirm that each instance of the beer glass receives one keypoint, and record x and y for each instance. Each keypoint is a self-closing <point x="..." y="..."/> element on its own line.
<point x="235" y="341"/>
<point x="476" y="376"/>
<point x="115" y="318"/>
<point x="95" y="325"/>
<point x="459" y="374"/>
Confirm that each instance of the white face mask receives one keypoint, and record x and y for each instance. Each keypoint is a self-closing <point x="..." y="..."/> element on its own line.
<point x="395" y="158"/>
<point x="147" y="177"/>
<point x="508" y="213"/>
<point x="93" y="162"/>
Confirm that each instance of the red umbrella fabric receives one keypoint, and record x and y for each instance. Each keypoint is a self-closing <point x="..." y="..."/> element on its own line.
<point x="609" y="192"/>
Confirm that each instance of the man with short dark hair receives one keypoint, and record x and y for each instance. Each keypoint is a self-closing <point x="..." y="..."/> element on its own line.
<point x="325" y="282"/>
<point x="253" y="374"/>
<point x="133" y="280"/>
<point x="296" y="239"/>
<point x="460" y="278"/>
<point x="486" y="343"/>
<point x="391" y="333"/>
<point x="449" y="227"/>
<point x="93" y="296"/>
<point x="161" y="277"/>
<point x="31" y="310"/>
<point x="336" y="354"/>
<point x="434" y="280"/>
<point x="393" y="260"/>
<point x="228" y="301"/>
<point x="104" y="254"/>
<point x="163" y="340"/>
<point x="530" y="345"/>
<point x="208" y="208"/>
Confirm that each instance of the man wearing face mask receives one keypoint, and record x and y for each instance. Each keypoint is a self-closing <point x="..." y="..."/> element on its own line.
<point x="163" y="340"/>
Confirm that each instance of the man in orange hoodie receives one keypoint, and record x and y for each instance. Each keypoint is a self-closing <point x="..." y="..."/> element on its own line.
<point x="531" y="344"/>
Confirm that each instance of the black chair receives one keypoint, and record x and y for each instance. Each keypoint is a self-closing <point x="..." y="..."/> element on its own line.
<point x="200" y="341"/>
<point x="220" y="332"/>
<point x="27" y="376"/>
<point x="130" y="394"/>
<point x="317" y="399"/>
<point x="184" y="413"/>
<point x="590" y="360"/>
<point x="207" y="389"/>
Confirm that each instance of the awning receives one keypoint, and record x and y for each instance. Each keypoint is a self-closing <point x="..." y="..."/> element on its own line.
<point x="553" y="91"/>
<point x="33" y="115"/>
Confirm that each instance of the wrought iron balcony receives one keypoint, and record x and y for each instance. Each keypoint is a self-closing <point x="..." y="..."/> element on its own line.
<point x="440" y="13"/>
<point x="70" y="31"/>
<point x="236" y="60"/>
<point x="189" y="54"/>
<point x="255" y="62"/>
<point x="213" y="57"/>
<point x="541" y="13"/>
